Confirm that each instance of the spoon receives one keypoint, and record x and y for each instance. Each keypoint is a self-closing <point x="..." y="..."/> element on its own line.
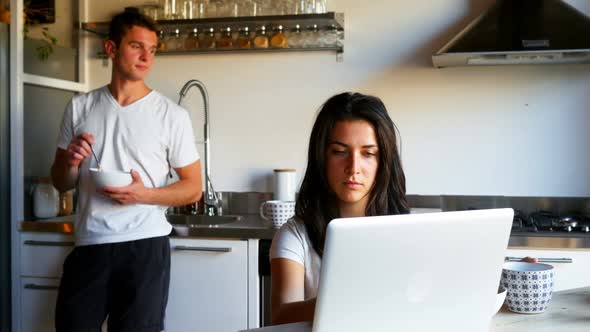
<point x="94" y="154"/>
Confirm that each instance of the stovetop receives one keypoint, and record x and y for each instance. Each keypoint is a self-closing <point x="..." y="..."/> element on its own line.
<point x="546" y="223"/>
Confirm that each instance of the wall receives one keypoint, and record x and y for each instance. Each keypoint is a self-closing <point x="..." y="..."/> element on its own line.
<point x="517" y="130"/>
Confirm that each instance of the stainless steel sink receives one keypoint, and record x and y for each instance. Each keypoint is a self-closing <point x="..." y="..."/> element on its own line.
<point x="201" y="220"/>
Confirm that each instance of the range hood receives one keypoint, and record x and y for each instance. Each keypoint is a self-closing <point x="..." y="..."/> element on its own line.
<point x="514" y="32"/>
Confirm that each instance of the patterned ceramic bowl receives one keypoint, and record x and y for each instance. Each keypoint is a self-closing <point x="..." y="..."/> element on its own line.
<point x="529" y="286"/>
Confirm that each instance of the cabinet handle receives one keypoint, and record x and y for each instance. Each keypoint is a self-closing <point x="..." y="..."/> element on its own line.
<point x="203" y="249"/>
<point x="49" y="243"/>
<point x="41" y="287"/>
<point x="543" y="260"/>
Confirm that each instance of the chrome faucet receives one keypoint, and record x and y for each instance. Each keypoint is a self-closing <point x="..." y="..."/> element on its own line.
<point x="212" y="201"/>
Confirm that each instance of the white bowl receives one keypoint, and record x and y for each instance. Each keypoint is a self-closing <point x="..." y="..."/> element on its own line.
<point x="500" y="298"/>
<point x="103" y="178"/>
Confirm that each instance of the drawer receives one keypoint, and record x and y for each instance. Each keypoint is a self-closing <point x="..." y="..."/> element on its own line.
<point x="43" y="254"/>
<point x="38" y="297"/>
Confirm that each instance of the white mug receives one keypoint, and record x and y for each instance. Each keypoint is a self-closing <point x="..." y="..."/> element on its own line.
<point x="277" y="212"/>
<point x="284" y="184"/>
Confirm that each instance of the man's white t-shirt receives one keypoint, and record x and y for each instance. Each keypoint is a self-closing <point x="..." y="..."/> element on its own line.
<point x="150" y="136"/>
<point x="292" y="242"/>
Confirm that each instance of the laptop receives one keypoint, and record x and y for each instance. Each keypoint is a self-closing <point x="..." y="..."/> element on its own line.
<point x="416" y="272"/>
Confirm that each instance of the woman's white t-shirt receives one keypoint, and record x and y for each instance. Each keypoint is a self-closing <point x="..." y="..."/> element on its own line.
<point x="292" y="242"/>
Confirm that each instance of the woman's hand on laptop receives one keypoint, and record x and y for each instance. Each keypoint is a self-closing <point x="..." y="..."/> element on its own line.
<point x="528" y="259"/>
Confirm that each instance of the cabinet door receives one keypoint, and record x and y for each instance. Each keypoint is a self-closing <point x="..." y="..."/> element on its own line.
<point x="567" y="275"/>
<point x="38" y="298"/>
<point x="43" y="254"/>
<point x="208" y="286"/>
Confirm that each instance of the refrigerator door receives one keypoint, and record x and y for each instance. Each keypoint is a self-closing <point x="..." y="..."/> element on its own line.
<point x="5" y="296"/>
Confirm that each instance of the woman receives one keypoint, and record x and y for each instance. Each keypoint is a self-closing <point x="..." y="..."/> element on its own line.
<point x="353" y="170"/>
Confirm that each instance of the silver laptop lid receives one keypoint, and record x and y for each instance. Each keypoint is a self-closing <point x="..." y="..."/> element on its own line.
<point x="419" y="272"/>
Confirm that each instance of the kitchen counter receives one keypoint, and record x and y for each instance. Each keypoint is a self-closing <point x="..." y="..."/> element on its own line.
<point x="568" y="311"/>
<point x="248" y="227"/>
<point x="251" y="226"/>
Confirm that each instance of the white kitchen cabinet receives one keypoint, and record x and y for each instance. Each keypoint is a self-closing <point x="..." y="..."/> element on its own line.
<point x="42" y="257"/>
<point x="38" y="296"/>
<point x="43" y="254"/>
<point x="208" y="286"/>
<point x="567" y="275"/>
<point x="213" y="284"/>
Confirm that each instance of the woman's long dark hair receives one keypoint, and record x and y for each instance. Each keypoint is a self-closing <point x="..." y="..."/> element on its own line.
<point x="317" y="203"/>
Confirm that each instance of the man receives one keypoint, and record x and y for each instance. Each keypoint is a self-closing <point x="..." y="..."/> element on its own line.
<point x="120" y="266"/>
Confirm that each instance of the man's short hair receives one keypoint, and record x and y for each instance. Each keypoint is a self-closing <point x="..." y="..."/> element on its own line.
<point x="124" y="21"/>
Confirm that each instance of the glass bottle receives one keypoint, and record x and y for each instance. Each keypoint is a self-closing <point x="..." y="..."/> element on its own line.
<point x="208" y="41"/>
<point x="226" y="39"/>
<point x="244" y="40"/>
<point x="295" y="38"/>
<point x="261" y="39"/>
<point x="278" y="40"/>
<point x="192" y="40"/>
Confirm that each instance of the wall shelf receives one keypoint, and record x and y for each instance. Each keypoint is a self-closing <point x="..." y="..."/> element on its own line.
<point x="235" y="23"/>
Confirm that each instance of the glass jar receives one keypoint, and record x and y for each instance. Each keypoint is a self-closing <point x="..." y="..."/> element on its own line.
<point x="172" y="9"/>
<point x="189" y="9"/>
<point x="331" y="37"/>
<point x="226" y="40"/>
<point x="208" y="40"/>
<point x="192" y="40"/>
<point x="294" y="37"/>
<point x="278" y="40"/>
<point x="152" y="10"/>
<point x="161" y="42"/>
<point x="261" y="39"/>
<point x="244" y="40"/>
<point x="66" y="203"/>
<point x="321" y="6"/>
<point x="311" y="36"/>
<point x="175" y="42"/>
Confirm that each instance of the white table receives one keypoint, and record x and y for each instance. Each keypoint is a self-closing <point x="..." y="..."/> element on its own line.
<point x="569" y="311"/>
